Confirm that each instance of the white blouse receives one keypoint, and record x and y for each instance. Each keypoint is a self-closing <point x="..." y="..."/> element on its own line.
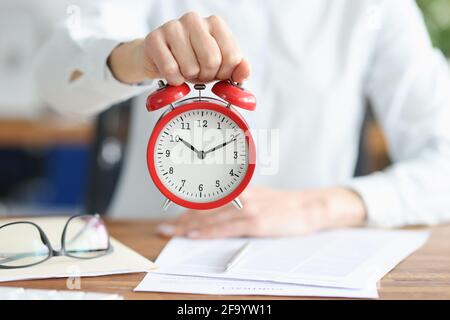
<point x="315" y="64"/>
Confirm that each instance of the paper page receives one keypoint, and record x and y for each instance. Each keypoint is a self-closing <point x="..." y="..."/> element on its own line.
<point x="121" y="260"/>
<point x="200" y="285"/>
<point x="348" y="258"/>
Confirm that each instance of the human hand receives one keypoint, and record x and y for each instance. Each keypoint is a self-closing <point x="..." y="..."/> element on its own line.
<point x="268" y="212"/>
<point x="191" y="48"/>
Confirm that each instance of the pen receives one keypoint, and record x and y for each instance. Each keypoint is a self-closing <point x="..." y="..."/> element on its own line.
<point x="237" y="257"/>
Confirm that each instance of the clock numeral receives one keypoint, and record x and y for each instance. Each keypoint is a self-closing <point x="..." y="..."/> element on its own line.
<point x="171" y="170"/>
<point x="233" y="174"/>
<point x="219" y="126"/>
<point x="218" y="183"/>
<point x="182" y="184"/>
<point x="202" y="123"/>
<point x="174" y="139"/>
<point x="168" y="153"/>
<point x="235" y="155"/>
<point x="185" y="126"/>
<point x="200" y="187"/>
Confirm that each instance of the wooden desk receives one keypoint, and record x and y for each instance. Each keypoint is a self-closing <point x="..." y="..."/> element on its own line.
<point x="43" y="133"/>
<point x="423" y="275"/>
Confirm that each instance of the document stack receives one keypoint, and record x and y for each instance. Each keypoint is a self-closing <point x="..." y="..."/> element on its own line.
<point x="340" y="263"/>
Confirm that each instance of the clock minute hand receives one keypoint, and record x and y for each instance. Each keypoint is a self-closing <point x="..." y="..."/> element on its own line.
<point x="220" y="146"/>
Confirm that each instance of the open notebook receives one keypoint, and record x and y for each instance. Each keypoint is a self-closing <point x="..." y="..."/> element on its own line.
<point x="121" y="260"/>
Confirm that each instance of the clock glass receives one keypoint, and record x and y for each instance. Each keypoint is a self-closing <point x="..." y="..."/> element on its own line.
<point x="201" y="155"/>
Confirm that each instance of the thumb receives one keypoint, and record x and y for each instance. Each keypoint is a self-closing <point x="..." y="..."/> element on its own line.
<point x="241" y="72"/>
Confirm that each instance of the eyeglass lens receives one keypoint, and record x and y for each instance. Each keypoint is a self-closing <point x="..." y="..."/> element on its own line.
<point x="86" y="237"/>
<point x="21" y="245"/>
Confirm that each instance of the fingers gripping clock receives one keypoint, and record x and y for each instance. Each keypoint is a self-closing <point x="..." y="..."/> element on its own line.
<point x="201" y="154"/>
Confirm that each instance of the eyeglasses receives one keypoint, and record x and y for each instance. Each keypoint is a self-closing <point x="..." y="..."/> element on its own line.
<point x="25" y="244"/>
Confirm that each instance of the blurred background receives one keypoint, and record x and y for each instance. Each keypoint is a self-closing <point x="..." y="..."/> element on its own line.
<point x="50" y="165"/>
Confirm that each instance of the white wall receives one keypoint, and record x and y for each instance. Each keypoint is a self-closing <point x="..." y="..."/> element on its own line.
<point x="24" y="25"/>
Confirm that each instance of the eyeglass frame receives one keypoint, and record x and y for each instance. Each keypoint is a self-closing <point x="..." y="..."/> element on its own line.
<point x="57" y="253"/>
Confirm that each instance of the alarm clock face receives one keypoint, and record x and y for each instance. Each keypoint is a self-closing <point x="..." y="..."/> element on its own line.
<point x="201" y="155"/>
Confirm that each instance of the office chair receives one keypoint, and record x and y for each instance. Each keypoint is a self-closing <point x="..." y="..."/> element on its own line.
<point x="107" y="156"/>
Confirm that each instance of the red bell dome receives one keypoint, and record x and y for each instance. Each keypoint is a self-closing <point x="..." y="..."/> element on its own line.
<point x="166" y="95"/>
<point x="235" y="95"/>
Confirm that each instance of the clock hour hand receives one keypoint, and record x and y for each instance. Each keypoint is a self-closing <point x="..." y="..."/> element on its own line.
<point x="221" y="145"/>
<point x="190" y="146"/>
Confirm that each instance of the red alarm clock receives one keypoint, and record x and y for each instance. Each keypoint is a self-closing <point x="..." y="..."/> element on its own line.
<point x="201" y="154"/>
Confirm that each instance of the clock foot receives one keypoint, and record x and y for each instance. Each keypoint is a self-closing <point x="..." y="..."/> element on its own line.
<point x="166" y="204"/>
<point x="238" y="204"/>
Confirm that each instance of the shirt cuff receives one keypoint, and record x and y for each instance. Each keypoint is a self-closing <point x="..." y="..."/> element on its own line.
<point x="381" y="199"/>
<point x="100" y="76"/>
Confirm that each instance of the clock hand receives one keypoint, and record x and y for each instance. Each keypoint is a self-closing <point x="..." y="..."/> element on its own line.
<point x="190" y="146"/>
<point x="221" y="145"/>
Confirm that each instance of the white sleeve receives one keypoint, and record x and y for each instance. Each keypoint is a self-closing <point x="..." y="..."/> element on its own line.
<point x="409" y="87"/>
<point x="87" y="51"/>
